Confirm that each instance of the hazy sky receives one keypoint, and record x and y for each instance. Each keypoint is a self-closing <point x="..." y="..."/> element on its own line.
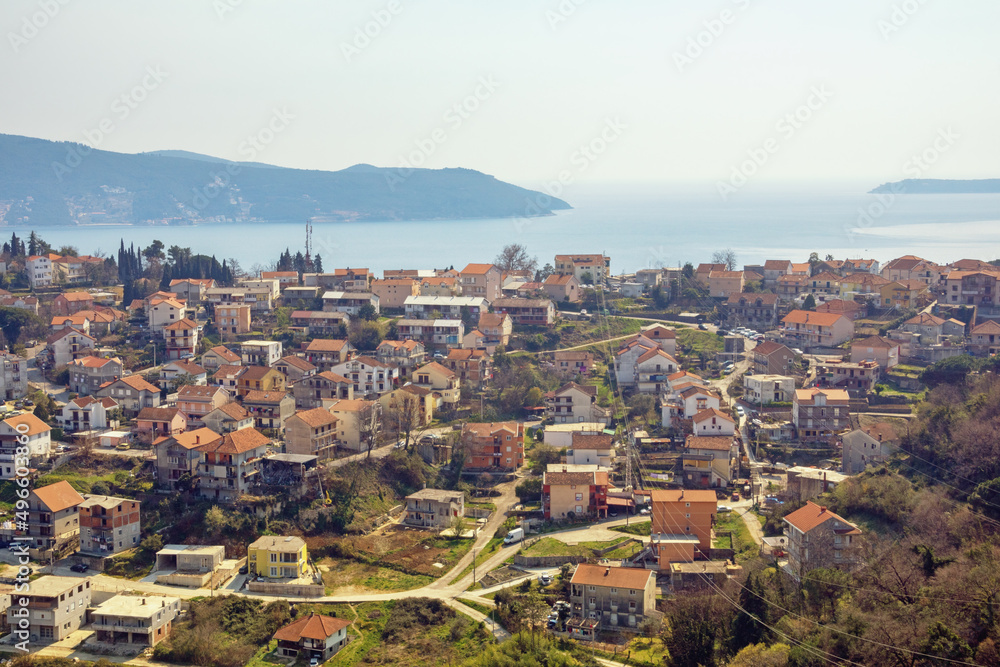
<point x="661" y="90"/>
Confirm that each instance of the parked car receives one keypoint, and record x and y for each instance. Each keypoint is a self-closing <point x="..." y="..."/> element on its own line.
<point x="723" y="508"/>
<point x="244" y="569"/>
<point x="28" y="403"/>
<point x="645" y="511"/>
<point x="545" y="579"/>
<point x="740" y="411"/>
<point x="735" y="497"/>
<point x="79" y="567"/>
<point x="702" y="327"/>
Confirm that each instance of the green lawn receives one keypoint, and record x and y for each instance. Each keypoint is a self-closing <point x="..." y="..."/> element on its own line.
<point x="339" y="574"/>
<point x="642" y="528"/>
<point x="743" y="543"/>
<point x="550" y="546"/>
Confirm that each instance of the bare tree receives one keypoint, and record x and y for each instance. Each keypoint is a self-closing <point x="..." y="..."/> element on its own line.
<point x="727" y="257"/>
<point x="514" y="257"/>
<point x="405" y="417"/>
<point x="370" y="425"/>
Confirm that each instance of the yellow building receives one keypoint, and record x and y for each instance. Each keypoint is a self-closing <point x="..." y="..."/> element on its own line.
<point x="278" y="557"/>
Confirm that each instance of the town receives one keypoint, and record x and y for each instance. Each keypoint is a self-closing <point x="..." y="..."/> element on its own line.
<point x="295" y="466"/>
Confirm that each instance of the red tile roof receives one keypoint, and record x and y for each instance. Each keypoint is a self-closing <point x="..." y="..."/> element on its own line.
<point x="314" y="626"/>
<point x="58" y="496"/>
<point x="812" y="515"/>
<point x="238" y="442"/>
<point x="614" y="577"/>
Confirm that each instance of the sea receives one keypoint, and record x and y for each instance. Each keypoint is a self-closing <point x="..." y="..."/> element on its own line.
<point x="637" y="226"/>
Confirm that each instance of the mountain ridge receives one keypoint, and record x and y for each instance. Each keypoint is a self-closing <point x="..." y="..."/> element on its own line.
<point x="49" y="183"/>
<point x="934" y="186"/>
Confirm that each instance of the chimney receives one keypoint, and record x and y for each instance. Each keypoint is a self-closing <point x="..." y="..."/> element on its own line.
<point x="197" y="439"/>
<point x="822" y="509"/>
<point x="607" y="572"/>
<point x="144" y="601"/>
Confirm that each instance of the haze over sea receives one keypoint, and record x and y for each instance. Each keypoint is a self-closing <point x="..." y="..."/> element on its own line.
<point x="637" y="226"/>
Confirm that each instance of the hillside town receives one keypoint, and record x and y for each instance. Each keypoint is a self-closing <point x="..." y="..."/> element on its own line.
<point x="555" y="448"/>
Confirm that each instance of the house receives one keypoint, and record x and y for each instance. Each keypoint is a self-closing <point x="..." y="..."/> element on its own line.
<point x="408" y="407"/>
<point x="649" y="278"/>
<point x="228" y="418"/>
<point x="819" y="413"/>
<point x="775" y="269"/>
<point x="13" y="376"/>
<point x="108" y="525"/>
<point x="662" y="336"/>
<point x="579" y="494"/>
<point x="573" y="403"/>
<point x="403" y="354"/>
<point x="438" y="333"/>
<point x="440" y="380"/>
<point x="78" y="321"/>
<point x="230" y="466"/>
<point x="53" y="519"/>
<point x="771" y="358"/>
<point x="350" y="303"/>
<point x="465" y="308"/>
<point x="862" y="283"/>
<point x="709" y="461"/>
<point x="434" y="508"/>
<point x="440" y="286"/>
<point x="609" y="599"/>
<point x="155" y="423"/>
<point x="68" y="344"/>
<point x="573" y="362"/>
<point x="191" y="290"/>
<point x="810" y="329"/>
<point x="25" y="430"/>
<point x="848" y="308"/>
<point x="228" y="377"/>
<point x="819" y="538"/>
<point x="910" y="267"/>
<point x="181" y="371"/>
<point x="972" y="288"/>
<point x="197" y="401"/>
<point x="591" y="449"/>
<point x="178" y="457"/>
<point x="311" y="391"/>
<point x="863" y="448"/>
<point x="259" y="298"/>
<point x="682" y="524"/>
<point x="392" y="293"/>
<point x="191" y="565"/>
<point x="931" y="329"/>
<point x="269" y="409"/>
<point x="324" y="354"/>
<point x="21" y="302"/>
<point x="347" y="279"/>
<point x="356" y="419"/>
<point x="74" y="269"/>
<point x="481" y="280"/>
<point x="766" y="389"/>
<point x="260" y="352"/>
<point x="791" y="286"/>
<point x="164" y="311"/>
<point x="39" y="270"/>
<point x="132" y="393"/>
<point x="858" y="378"/>
<point x="321" y="323"/>
<point x="493" y="446"/>
<point x="231" y="320"/>
<point x="285" y="278"/>
<point x="496" y="329"/>
<point x="562" y="288"/>
<point x="259" y="378"/>
<point x="469" y="365"/>
<point x="68" y="303"/>
<point x="312" y="636"/>
<point x="883" y="351"/>
<point x="87" y="374"/>
<point x="278" y="557"/>
<point x="904" y="295"/>
<point x="860" y="266"/>
<point x="370" y="377"/>
<point x="713" y="422"/>
<point x="652" y="369"/>
<point x="751" y="310"/>
<point x="692" y="398"/>
<point x="823" y="285"/>
<point x="984" y="339"/>
<point x="85" y="413"/>
<point x="295" y="369"/>
<point x="311" y="432"/>
<point x="133" y="620"/>
<point x="723" y="284"/>
<point x="56" y="608"/>
<point x="588" y="269"/>
<point x="218" y="356"/>
<point x="527" y="312"/>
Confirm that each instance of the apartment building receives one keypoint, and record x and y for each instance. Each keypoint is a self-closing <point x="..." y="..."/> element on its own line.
<point x="57" y="607"/>
<point x="108" y="525"/>
<point x="434" y="508"/>
<point x="494" y="446"/>
<point x="609" y="599"/>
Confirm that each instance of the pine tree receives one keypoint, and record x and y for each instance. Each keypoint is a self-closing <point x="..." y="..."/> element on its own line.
<point x="318" y="264"/>
<point x="747" y="628"/>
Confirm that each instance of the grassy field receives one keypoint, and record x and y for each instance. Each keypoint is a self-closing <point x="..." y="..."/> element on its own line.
<point x="646" y="651"/>
<point x="743" y="543"/>
<point x="572" y="334"/>
<point x="643" y="528"/>
<point x="694" y="341"/>
<point x="343" y="575"/>
<point x="549" y="546"/>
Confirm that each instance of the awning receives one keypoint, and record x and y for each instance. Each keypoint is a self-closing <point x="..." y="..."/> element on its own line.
<point x="621" y="502"/>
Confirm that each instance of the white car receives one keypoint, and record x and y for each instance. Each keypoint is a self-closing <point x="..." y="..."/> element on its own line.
<point x="723" y="508"/>
<point x="740" y="411"/>
<point x="645" y="511"/>
<point x="545" y="579"/>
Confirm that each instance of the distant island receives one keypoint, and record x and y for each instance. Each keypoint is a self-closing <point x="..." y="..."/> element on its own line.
<point x="48" y="183"/>
<point x="935" y="186"/>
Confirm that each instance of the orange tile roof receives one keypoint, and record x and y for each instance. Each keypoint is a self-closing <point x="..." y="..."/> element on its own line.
<point x="719" y="443"/>
<point x="58" y="496"/>
<point x="708" y="413"/>
<point x="297" y="362"/>
<point x="259" y="396"/>
<point x="686" y="495"/>
<point x="226" y="353"/>
<point x="191" y="391"/>
<point x="138" y="383"/>
<point x="92" y="362"/>
<point x="614" y="577"/>
<point x="809" y="317"/>
<point x="351" y="405"/>
<point x="195" y="438"/>
<point x="807" y="395"/>
<point x="316" y="417"/>
<point x="233" y="410"/>
<point x="478" y="269"/>
<point x="238" y="442"/>
<point x="483" y="429"/>
<point x="333" y="377"/>
<point x="812" y="515"/>
<point x="77" y="296"/>
<point x="875" y="341"/>
<point x="314" y="626"/>
<point x="436" y="368"/>
<point x="158" y="414"/>
<point x="184" y="324"/>
<point x="257" y="373"/>
<point x="987" y="327"/>
<point x="34" y="424"/>
<point x="326" y="345"/>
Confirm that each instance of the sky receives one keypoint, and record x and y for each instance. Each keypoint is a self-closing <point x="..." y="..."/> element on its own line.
<point x="585" y="91"/>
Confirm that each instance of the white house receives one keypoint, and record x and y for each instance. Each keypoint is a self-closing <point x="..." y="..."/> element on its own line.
<point x="713" y="422"/>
